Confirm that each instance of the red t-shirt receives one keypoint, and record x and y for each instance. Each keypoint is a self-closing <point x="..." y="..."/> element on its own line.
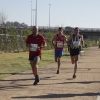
<point x="38" y="40"/>
<point x="59" y="42"/>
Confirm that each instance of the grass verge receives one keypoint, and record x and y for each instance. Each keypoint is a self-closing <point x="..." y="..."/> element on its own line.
<point x="14" y="63"/>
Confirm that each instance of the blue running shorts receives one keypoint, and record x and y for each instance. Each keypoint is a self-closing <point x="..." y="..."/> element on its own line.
<point x="59" y="53"/>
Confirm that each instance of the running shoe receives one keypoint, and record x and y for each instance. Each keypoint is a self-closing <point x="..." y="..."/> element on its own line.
<point x="36" y="80"/>
<point x="74" y="76"/>
<point x="35" y="83"/>
<point x="57" y="71"/>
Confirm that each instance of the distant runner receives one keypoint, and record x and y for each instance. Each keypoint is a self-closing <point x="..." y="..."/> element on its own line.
<point x="76" y="41"/>
<point x="58" y="43"/>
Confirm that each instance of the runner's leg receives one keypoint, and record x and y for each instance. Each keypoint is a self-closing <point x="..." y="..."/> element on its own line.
<point x="75" y="67"/>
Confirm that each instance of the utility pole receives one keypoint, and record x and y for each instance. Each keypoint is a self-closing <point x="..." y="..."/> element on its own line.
<point x="49" y="16"/>
<point x="36" y="14"/>
<point x="31" y="13"/>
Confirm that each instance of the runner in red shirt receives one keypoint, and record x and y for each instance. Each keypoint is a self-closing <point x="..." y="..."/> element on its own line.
<point x="35" y="42"/>
<point x="58" y="43"/>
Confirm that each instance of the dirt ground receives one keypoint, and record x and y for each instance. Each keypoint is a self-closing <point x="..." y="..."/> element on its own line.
<point x="54" y="86"/>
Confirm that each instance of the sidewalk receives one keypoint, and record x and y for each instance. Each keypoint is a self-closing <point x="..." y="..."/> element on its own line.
<point x="54" y="86"/>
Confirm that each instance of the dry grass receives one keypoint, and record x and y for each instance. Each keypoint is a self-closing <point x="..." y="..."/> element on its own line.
<point x="13" y="63"/>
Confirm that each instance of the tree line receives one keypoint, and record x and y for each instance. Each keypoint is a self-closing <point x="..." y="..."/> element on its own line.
<point x="13" y="39"/>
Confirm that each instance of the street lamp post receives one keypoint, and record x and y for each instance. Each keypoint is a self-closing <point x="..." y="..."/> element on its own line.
<point x="49" y="16"/>
<point x="36" y="14"/>
<point x="33" y="15"/>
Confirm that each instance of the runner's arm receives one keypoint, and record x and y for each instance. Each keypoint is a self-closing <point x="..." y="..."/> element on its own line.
<point x="43" y="43"/>
<point x="65" y="40"/>
<point x="69" y="39"/>
<point x="82" y="40"/>
<point x="28" y="42"/>
<point x="53" y="41"/>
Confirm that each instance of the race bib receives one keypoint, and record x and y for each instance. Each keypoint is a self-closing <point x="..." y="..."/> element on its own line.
<point x="76" y="43"/>
<point x="34" y="47"/>
<point x="59" y="44"/>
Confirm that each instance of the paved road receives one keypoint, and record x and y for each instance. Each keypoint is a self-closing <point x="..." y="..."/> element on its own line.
<point x="52" y="86"/>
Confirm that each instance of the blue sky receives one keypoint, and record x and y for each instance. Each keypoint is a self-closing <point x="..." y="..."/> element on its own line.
<point x="74" y="13"/>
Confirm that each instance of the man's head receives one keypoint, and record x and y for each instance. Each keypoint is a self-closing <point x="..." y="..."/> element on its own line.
<point x="35" y="30"/>
<point x="76" y="30"/>
<point x="60" y="30"/>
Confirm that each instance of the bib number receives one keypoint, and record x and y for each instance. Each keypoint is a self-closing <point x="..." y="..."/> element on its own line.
<point x="59" y="44"/>
<point x="76" y="43"/>
<point x="33" y="47"/>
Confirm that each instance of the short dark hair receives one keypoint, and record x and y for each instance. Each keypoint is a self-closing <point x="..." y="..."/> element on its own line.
<point x="76" y="28"/>
<point x="60" y="28"/>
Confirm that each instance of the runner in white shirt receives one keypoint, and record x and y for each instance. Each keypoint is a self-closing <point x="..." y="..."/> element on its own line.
<point x="76" y="40"/>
